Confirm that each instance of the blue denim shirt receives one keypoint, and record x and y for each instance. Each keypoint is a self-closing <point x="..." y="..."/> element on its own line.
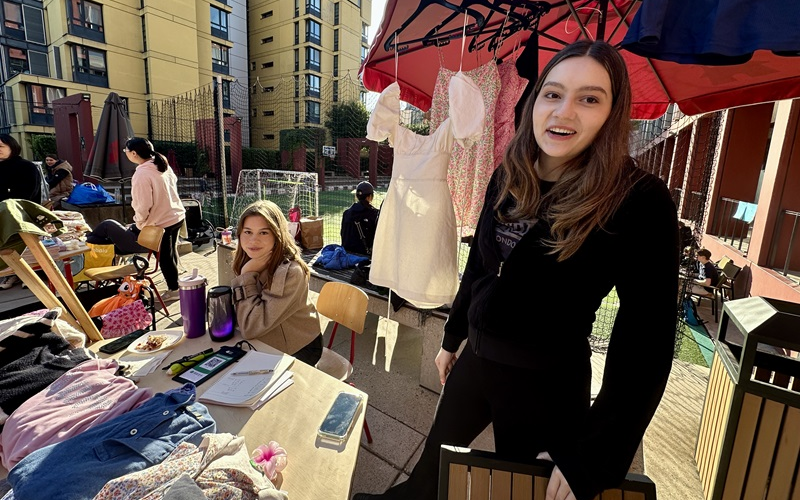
<point x="80" y="466"/>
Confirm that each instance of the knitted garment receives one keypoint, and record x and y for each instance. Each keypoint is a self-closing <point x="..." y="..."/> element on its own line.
<point x="31" y="358"/>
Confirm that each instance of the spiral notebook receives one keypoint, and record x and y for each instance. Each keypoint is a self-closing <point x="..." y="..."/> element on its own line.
<point x="251" y="390"/>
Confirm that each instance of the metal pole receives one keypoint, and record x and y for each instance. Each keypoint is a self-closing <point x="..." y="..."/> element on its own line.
<point x="223" y="173"/>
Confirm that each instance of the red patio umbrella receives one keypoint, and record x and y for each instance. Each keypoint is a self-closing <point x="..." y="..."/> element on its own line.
<point x="695" y="88"/>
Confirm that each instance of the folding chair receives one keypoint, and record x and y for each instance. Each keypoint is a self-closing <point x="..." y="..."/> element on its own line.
<point x="150" y="238"/>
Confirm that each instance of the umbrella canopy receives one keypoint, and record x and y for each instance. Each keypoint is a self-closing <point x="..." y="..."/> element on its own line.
<point x="428" y="29"/>
<point x="106" y="160"/>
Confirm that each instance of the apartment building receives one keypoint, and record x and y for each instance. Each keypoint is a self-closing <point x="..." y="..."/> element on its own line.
<point x="141" y="49"/>
<point x="300" y="53"/>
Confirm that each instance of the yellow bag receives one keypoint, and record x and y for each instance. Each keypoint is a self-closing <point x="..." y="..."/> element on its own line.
<point x="97" y="256"/>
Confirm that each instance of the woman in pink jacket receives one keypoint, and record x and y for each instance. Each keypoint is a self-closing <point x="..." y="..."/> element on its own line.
<point x="155" y="201"/>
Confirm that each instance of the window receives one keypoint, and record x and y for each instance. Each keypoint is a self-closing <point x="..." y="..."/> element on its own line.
<point x="267" y="65"/>
<point x="297" y="87"/>
<point x="365" y="32"/>
<point x="40" y="100"/>
<point x="335" y="65"/>
<point x="336" y="14"/>
<point x="17" y="60"/>
<point x="312" y="85"/>
<point x="269" y="113"/>
<point x="226" y="98"/>
<point x="268" y="89"/>
<point x="296" y="112"/>
<point x="313" y="7"/>
<point x="335" y="40"/>
<point x="219" y="23"/>
<point x="336" y="91"/>
<point x="90" y="66"/>
<point x="267" y="14"/>
<point x="266" y="40"/>
<point x="255" y="112"/>
<point x="364" y="98"/>
<point x="296" y="33"/>
<point x="313" y="30"/>
<point x="312" y="112"/>
<point x="312" y="58"/>
<point x="296" y="8"/>
<point x="219" y="58"/>
<point x="253" y="66"/>
<point x="27" y="61"/>
<point x="269" y="137"/>
<point x="297" y="59"/>
<point x="86" y="19"/>
<point x="12" y="12"/>
<point x="363" y="53"/>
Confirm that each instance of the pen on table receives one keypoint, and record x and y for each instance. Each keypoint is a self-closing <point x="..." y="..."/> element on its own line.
<point x="253" y="372"/>
<point x="178" y="367"/>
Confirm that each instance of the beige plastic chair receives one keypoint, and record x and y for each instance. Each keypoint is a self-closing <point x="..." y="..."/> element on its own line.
<point x="150" y="238"/>
<point x="345" y="305"/>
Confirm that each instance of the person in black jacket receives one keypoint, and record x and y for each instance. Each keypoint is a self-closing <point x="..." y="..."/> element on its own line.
<point x="359" y="221"/>
<point x="561" y="218"/>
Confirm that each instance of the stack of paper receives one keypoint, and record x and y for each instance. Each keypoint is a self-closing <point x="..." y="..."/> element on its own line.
<point x="252" y="381"/>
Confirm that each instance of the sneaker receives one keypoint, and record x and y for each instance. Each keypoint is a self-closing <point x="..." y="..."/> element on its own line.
<point x="8" y="281"/>
<point x="170" y="295"/>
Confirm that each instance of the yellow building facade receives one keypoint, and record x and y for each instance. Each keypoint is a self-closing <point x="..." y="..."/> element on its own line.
<point x="141" y="49"/>
<point x="302" y="55"/>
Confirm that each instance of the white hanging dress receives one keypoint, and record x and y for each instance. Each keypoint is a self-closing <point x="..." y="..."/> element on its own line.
<point x="416" y="244"/>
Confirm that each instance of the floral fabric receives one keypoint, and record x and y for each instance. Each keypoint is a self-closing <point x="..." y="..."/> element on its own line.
<point x="470" y="167"/>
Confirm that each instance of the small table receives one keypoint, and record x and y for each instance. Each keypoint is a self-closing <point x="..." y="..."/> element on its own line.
<point x="316" y="469"/>
<point x="65" y="257"/>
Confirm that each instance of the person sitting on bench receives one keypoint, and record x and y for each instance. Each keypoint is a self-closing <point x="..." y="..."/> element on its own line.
<point x="359" y="222"/>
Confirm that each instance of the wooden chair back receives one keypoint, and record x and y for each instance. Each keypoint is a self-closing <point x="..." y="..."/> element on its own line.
<point x="150" y="237"/>
<point x="480" y="475"/>
<point x="343" y="303"/>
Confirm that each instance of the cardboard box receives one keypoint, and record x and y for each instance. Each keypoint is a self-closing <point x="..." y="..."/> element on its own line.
<point x="311" y="230"/>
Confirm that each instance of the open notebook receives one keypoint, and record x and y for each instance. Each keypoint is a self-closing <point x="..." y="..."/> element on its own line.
<point x="253" y="390"/>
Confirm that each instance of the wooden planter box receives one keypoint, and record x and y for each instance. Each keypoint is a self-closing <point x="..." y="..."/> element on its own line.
<point x="749" y="440"/>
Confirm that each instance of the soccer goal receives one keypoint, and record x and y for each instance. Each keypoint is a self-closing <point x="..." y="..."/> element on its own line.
<point x="287" y="189"/>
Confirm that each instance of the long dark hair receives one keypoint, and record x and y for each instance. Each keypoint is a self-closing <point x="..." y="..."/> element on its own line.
<point x="285" y="246"/>
<point x="12" y="143"/>
<point x="594" y="183"/>
<point x="145" y="149"/>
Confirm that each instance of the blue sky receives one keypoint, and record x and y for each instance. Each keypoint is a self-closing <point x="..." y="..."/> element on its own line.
<point x="377" y="15"/>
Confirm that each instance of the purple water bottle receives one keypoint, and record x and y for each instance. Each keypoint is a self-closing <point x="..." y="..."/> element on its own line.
<point x="193" y="304"/>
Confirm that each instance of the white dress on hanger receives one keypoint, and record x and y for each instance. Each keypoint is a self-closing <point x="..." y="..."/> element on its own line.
<point x="416" y="244"/>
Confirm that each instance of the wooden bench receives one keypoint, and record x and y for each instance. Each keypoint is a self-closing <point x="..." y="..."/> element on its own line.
<point x="480" y="475"/>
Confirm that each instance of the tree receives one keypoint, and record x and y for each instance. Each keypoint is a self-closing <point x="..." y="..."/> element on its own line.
<point x="347" y="120"/>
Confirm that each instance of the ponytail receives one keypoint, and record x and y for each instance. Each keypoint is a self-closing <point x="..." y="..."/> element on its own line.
<point x="160" y="161"/>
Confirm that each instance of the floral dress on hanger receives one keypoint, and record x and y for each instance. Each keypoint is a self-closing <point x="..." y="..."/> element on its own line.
<point x="511" y="87"/>
<point x="416" y="244"/>
<point x="470" y="167"/>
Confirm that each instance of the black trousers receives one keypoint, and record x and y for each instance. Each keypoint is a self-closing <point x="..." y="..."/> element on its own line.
<point x="479" y="392"/>
<point x="311" y="353"/>
<point x="168" y="257"/>
<point x="124" y="240"/>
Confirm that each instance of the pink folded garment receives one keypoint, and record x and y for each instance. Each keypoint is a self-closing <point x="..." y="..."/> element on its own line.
<point x="83" y="397"/>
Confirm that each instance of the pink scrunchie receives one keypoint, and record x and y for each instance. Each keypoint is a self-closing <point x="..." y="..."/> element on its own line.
<point x="270" y="459"/>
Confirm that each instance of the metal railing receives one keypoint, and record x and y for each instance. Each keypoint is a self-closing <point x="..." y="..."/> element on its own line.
<point x="731" y="223"/>
<point x="787" y="260"/>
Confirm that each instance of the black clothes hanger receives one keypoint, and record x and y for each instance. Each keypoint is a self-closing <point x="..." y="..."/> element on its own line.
<point x="480" y="20"/>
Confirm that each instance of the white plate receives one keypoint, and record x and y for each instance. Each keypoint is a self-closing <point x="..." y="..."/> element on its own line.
<point x="172" y="338"/>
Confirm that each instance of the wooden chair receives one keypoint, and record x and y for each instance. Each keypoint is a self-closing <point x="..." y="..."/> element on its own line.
<point x="480" y="475"/>
<point x="345" y="305"/>
<point x="149" y="238"/>
<point x="715" y="295"/>
<point x="731" y="270"/>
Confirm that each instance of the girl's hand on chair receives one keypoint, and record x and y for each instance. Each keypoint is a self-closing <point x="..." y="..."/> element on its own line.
<point x="558" y="487"/>
<point x="444" y="363"/>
